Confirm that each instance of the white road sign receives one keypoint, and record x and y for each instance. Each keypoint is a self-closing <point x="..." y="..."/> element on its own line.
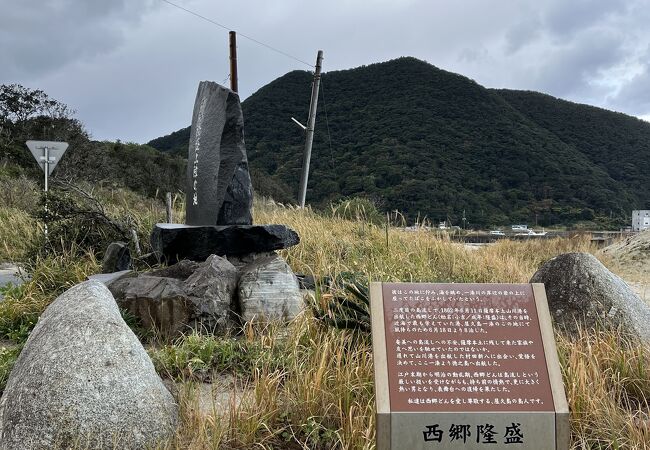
<point x="47" y="153"/>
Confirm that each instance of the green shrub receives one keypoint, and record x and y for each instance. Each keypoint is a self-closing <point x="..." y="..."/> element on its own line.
<point x="197" y="356"/>
<point x="343" y="302"/>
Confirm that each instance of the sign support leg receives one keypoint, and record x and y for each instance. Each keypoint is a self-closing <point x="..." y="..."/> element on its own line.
<point x="47" y="170"/>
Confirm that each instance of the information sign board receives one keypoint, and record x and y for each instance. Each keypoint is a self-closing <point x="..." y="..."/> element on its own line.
<point x="466" y="366"/>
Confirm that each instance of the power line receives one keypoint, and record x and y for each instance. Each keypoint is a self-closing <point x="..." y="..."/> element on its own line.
<point x="277" y="50"/>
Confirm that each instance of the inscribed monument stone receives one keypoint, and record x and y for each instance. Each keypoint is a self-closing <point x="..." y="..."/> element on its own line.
<point x="219" y="190"/>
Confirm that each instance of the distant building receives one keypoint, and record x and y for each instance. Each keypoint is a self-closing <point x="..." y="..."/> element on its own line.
<point x="641" y="219"/>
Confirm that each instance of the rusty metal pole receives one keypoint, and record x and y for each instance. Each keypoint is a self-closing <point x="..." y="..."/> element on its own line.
<point x="233" y="61"/>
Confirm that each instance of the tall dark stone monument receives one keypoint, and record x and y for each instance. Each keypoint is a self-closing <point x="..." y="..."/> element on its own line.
<point x="219" y="190"/>
<point x="218" y="218"/>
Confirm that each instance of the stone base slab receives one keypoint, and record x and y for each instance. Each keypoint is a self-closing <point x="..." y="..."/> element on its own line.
<point x="175" y="242"/>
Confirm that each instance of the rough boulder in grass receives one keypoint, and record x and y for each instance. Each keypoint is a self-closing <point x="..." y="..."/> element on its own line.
<point x="84" y="377"/>
<point x="581" y="290"/>
<point x="269" y="290"/>
<point x="198" y="297"/>
<point x="212" y="288"/>
<point x="117" y="258"/>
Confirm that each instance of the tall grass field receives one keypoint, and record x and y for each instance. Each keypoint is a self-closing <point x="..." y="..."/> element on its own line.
<point x="309" y="385"/>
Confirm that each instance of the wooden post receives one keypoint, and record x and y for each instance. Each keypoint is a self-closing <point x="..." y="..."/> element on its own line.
<point x="233" y="61"/>
<point x="168" y="204"/>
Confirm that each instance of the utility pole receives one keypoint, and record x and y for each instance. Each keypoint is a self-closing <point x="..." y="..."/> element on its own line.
<point x="233" y="61"/>
<point x="310" y="131"/>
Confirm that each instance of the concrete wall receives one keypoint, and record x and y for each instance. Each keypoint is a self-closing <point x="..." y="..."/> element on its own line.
<point x="641" y="220"/>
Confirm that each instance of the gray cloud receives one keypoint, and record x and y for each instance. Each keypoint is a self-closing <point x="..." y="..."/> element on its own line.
<point x="573" y="70"/>
<point x="474" y="55"/>
<point x="565" y="18"/>
<point x="130" y="68"/>
<point x="634" y="94"/>
<point x="37" y="37"/>
<point x="523" y="33"/>
<point x="582" y="50"/>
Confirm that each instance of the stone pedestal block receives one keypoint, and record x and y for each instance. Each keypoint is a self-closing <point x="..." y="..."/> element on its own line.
<point x="173" y="242"/>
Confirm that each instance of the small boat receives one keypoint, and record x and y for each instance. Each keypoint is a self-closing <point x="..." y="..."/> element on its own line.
<point x="532" y="233"/>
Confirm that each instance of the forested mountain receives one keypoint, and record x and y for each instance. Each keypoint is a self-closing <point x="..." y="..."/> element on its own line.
<point x="615" y="142"/>
<point x="432" y="143"/>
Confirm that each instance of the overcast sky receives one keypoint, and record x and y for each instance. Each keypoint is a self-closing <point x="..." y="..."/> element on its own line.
<point x="130" y="68"/>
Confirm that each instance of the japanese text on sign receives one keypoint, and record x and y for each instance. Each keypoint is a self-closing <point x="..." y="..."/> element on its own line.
<point x="459" y="347"/>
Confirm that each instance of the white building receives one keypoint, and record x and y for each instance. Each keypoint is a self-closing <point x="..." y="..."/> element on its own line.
<point x="641" y="219"/>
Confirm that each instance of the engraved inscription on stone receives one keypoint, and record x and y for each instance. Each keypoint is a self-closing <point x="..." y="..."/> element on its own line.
<point x="219" y="190"/>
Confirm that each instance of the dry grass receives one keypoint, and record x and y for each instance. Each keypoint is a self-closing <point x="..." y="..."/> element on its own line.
<point x="319" y="393"/>
<point x="320" y="398"/>
<point x="50" y="276"/>
<point x="331" y="246"/>
<point x="607" y="382"/>
<point x="17" y="232"/>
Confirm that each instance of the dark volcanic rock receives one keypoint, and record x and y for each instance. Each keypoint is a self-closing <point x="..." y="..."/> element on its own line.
<point x="181" y="270"/>
<point x="117" y="258"/>
<point x="236" y="208"/>
<point x="171" y="306"/>
<point x="173" y="242"/>
<point x="580" y="290"/>
<point x="219" y="189"/>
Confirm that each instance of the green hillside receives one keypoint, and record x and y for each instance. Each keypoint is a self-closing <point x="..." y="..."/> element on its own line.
<point x="31" y="114"/>
<point x="615" y="142"/>
<point x="432" y="143"/>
